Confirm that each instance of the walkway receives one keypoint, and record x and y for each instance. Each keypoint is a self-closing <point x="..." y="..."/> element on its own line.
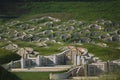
<point x="42" y="69"/>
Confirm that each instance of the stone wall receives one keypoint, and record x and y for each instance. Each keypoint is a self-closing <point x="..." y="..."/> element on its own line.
<point x="93" y="69"/>
<point x="69" y="56"/>
<point x="38" y="61"/>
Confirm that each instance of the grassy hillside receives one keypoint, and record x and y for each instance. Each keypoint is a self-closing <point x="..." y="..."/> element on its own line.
<point x="81" y="10"/>
<point x="51" y="49"/>
<point x="104" y="54"/>
<point x="7" y="56"/>
<point x="85" y="10"/>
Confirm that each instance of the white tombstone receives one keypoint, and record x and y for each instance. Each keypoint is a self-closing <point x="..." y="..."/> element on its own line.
<point x="78" y="59"/>
<point x="55" y="59"/>
<point x="22" y="63"/>
<point x="38" y="61"/>
<point x="75" y="59"/>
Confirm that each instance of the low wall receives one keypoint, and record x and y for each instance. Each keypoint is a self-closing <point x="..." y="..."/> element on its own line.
<point x="93" y="69"/>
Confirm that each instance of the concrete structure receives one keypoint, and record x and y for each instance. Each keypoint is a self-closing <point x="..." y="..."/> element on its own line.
<point x="93" y="69"/>
<point x="85" y="64"/>
<point x="70" y="56"/>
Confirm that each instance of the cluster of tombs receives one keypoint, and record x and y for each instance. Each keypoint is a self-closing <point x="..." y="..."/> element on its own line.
<point x="84" y="63"/>
<point x="69" y="56"/>
<point x="93" y="69"/>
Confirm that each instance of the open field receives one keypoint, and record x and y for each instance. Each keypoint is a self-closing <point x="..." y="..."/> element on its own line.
<point x="33" y="75"/>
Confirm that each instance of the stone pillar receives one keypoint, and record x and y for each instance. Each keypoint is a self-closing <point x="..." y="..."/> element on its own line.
<point x="75" y="59"/>
<point x="78" y="59"/>
<point x="106" y="67"/>
<point x="22" y="63"/>
<point x="38" y="61"/>
<point x="82" y="60"/>
<point x="86" y="70"/>
<point x="55" y="59"/>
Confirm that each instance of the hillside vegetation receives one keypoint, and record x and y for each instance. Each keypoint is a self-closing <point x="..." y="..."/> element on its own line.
<point x="81" y="10"/>
<point x="7" y="56"/>
<point x="46" y="27"/>
<point x="103" y="53"/>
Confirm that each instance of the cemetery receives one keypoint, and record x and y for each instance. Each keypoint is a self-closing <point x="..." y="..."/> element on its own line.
<point x="80" y="62"/>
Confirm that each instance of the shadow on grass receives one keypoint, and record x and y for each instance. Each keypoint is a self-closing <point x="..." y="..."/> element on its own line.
<point x="5" y="75"/>
<point x="7" y="56"/>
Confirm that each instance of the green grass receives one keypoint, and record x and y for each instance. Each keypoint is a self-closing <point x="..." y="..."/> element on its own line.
<point x="45" y="75"/>
<point x="105" y="53"/>
<point x="113" y="44"/>
<point x="33" y="75"/>
<point x="25" y="44"/>
<point x="108" y="53"/>
<point x="7" y="56"/>
<point x="51" y="49"/>
<point x="77" y="10"/>
<point x="81" y="10"/>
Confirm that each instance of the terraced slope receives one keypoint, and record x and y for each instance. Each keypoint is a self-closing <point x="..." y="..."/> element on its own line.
<point x="92" y="23"/>
<point x="47" y="35"/>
